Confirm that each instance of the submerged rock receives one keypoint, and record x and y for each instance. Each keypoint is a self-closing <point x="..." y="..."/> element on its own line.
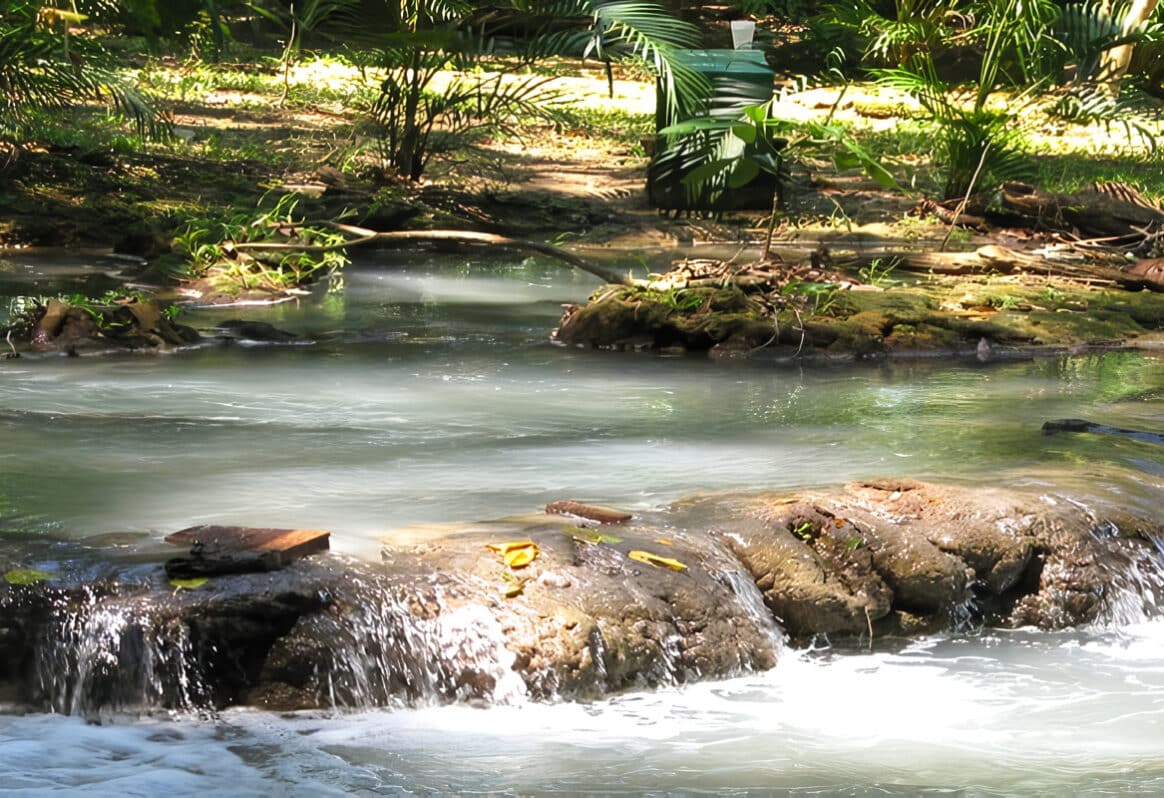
<point x="96" y="327"/>
<point x="58" y="326"/>
<point x="254" y="331"/>
<point x="540" y="607"/>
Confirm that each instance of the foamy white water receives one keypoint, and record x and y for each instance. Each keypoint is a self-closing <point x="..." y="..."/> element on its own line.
<point x="1019" y="712"/>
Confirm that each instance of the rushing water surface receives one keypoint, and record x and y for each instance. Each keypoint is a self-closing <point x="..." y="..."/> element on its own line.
<point x="429" y="392"/>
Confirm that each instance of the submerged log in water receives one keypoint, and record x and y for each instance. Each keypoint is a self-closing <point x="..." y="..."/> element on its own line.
<point x="1082" y="425"/>
<point x="537" y="607"/>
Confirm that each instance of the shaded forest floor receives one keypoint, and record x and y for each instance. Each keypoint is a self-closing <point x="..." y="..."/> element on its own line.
<point x="84" y="182"/>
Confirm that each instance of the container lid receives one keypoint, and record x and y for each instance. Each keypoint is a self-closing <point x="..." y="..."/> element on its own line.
<point x="735" y="62"/>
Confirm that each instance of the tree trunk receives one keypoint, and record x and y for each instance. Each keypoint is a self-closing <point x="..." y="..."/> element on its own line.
<point x="1114" y="64"/>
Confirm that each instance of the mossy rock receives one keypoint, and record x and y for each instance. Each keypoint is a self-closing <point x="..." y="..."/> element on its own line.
<point x="695" y="318"/>
<point x="922" y="338"/>
<point x="934" y="316"/>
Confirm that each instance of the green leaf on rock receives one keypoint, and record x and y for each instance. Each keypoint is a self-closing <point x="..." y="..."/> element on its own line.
<point x="25" y="576"/>
<point x="585" y="535"/>
<point x="188" y="584"/>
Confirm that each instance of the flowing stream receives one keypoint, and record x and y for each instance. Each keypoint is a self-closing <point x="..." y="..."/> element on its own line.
<point x="427" y="391"/>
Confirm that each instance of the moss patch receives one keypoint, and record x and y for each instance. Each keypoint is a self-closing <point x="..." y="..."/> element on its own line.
<point x="946" y="315"/>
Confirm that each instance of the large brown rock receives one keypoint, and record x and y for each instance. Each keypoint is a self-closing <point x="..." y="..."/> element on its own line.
<point x="917" y="556"/>
<point x="704" y="589"/>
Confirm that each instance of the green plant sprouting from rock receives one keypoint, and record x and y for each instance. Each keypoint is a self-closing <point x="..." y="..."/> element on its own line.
<point x="230" y="254"/>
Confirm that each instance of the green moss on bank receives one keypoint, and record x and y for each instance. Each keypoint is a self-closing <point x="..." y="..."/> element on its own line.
<point x="929" y="317"/>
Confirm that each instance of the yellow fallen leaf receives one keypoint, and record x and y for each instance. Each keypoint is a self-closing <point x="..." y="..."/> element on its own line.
<point x="664" y="541"/>
<point x="656" y="560"/>
<point x="517" y="553"/>
<point x="188" y="584"/>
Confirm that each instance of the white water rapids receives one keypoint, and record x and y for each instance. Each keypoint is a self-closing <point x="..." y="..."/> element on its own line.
<point x="997" y="714"/>
<point x="431" y="395"/>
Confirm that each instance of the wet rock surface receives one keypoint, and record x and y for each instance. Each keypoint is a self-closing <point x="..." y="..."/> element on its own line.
<point x="56" y="326"/>
<point x="707" y="588"/>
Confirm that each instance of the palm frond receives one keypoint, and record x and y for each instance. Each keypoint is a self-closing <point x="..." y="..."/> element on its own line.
<point x="1131" y="110"/>
<point x="652" y="33"/>
<point x="35" y="73"/>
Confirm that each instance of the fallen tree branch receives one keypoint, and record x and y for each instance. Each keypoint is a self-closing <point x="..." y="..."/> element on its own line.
<point x="365" y="236"/>
<point x="1114" y="212"/>
<point x="993" y="258"/>
<point x="1082" y="425"/>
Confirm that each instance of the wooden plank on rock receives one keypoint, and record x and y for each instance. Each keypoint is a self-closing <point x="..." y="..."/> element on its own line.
<point x="234" y="547"/>
<point x="592" y="512"/>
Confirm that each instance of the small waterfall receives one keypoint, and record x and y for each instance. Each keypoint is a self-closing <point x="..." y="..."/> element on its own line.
<point x="752" y="601"/>
<point x="396" y="648"/>
<point x="1137" y="587"/>
<point x="99" y="655"/>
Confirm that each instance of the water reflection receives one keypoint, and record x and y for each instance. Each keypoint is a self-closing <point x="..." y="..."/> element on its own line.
<point x="432" y="394"/>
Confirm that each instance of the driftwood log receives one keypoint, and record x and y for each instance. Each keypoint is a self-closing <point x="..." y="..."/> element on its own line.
<point x="361" y="236"/>
<point x="1113" y="213"/>
<point x="994" y="259"/>
<point x="216" y="550"/>
<point x="1082" y="425"/>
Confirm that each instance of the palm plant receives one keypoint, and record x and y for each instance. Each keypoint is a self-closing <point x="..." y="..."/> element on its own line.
<point x="299" y="17"/>
<point x="413" y="119"/>
<point x="41" y="66"/>
<point x="1083" y="40"/>
<point x="979" y="140"/>
<point x="615" y="30"/>
<point x="718" y="154"/>
<point x="431" y="35"/>
<point x="893" y="33"/>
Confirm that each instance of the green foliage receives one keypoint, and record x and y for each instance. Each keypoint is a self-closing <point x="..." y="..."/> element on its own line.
<point x="878" y="271"/>
<point x="299" y="17"/>
<point x="911" y="27"/>
<point x="1078" y="40"/>
<point x="25" y="312"/>
<point x="1019" y="51"/>
<point x="25" y="576"/>
<point x="44" y="64"/>
<point x="414" y="122"/>
<point x="636" y="32"/>
<point x="979" y="140"/>
<point x="415" y="118"/>
<point x="613" y="122"/>
<point x="726" y="153"/>
<point x="820" y="298"/>
<point x="302" y="254"/>
<point x="679" y="300"/>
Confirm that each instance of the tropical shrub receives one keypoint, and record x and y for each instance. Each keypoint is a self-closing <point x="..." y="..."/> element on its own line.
<point x="43" y="64"/>
<point x="414" y="119"/>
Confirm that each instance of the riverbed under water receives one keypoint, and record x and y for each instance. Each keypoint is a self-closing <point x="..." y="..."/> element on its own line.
<point x="429" y="392"/>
